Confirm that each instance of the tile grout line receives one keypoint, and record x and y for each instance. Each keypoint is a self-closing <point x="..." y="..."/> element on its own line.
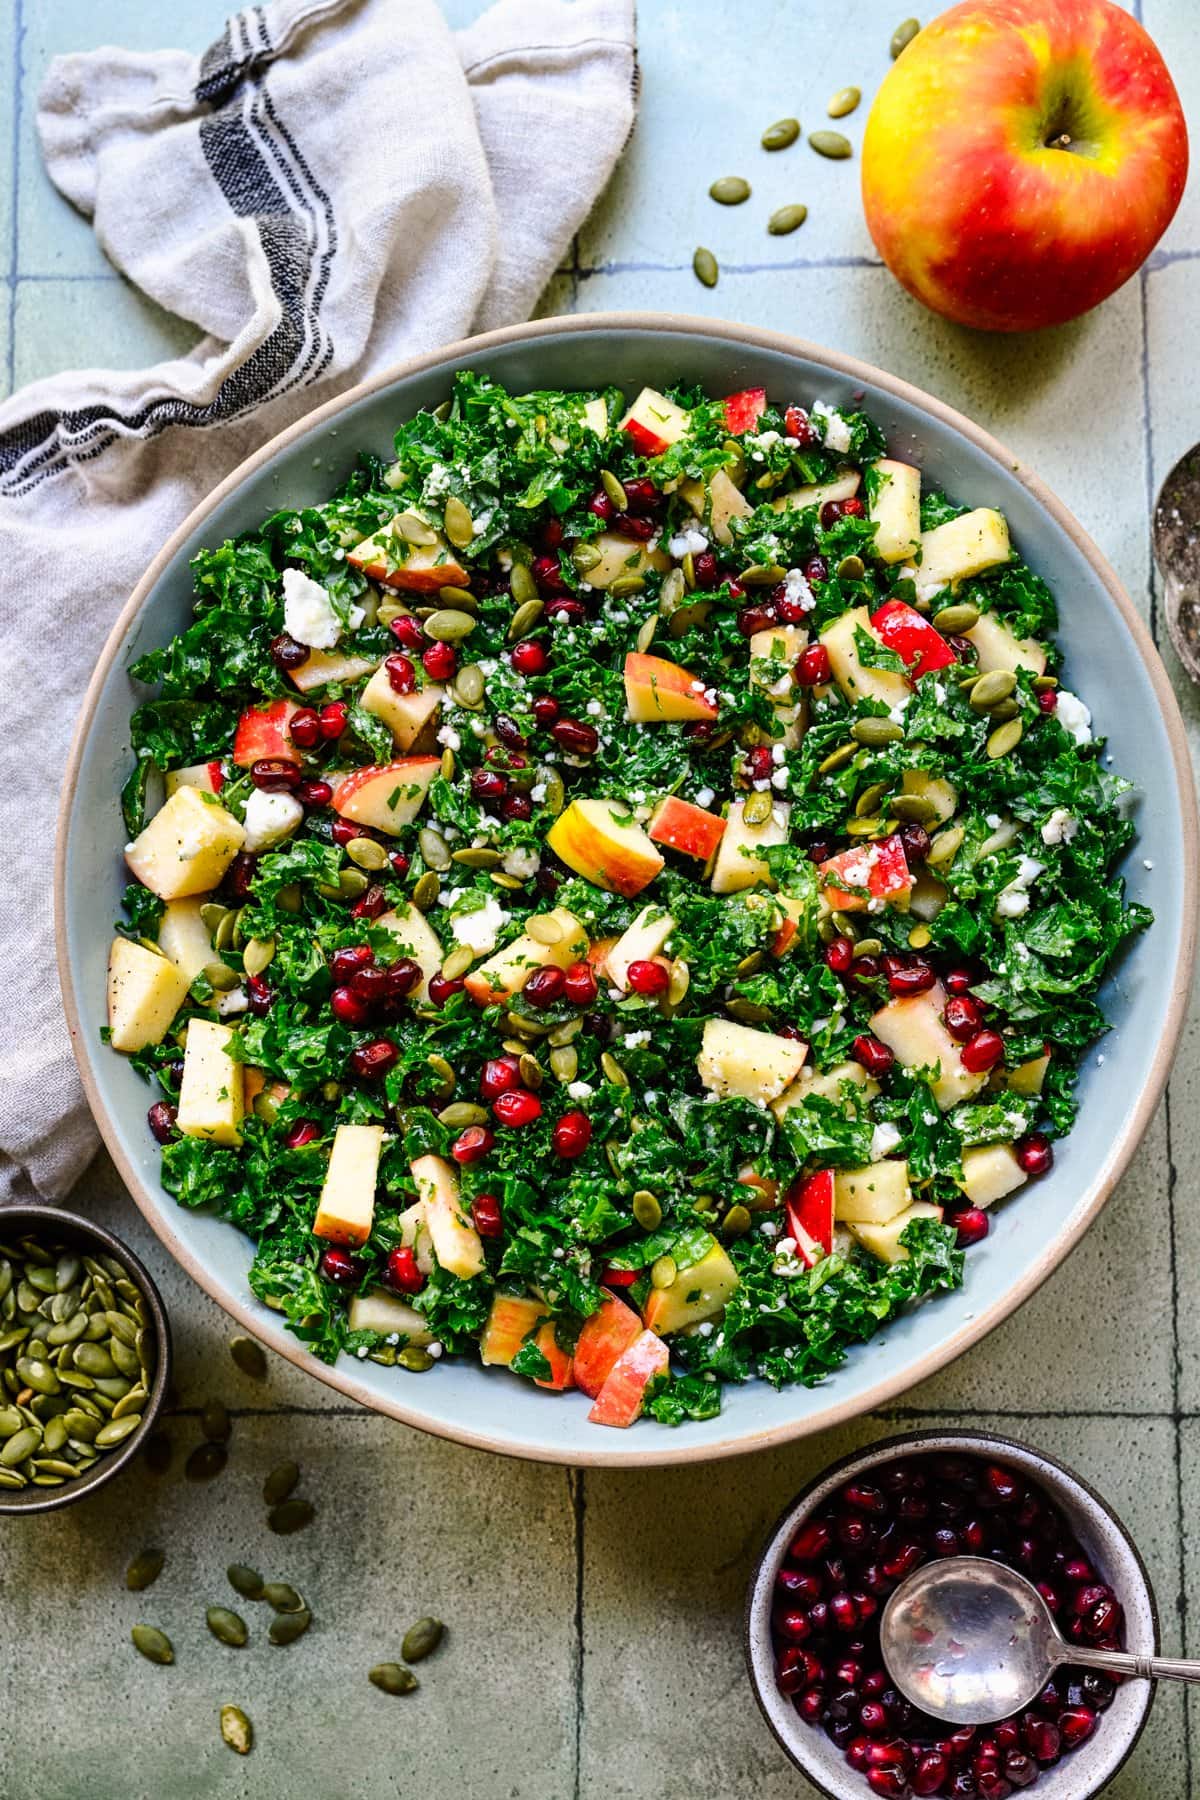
<point x="576" y="1479"/>
<point x="14" y="236"/>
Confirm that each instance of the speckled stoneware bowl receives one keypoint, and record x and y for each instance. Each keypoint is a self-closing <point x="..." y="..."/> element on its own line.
<point x="1082" y="1772"/>
<point x="50" y="1224"/>
<point x="1110" y="660"/>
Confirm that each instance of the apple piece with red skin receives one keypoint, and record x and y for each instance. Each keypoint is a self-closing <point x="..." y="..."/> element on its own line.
<point x="263" y="732"/>
<point x="605" y="1337"/>
<point x="657" y="690"/>
<point x="209" y="777"/>
<point x="513" y="1319"/>
<point x="323" y="666"/>
<point x="877" y="871"/>
<point x="913" y="638"/>
<point x="744" y="409"/>
<point x="686" y="828"/>
<point x="386" y="796"/>
<point x="620" y="1399"/>
<point x="653" y="423"/>
<point x="507" y="970"/>
<point x="1021" y="160"/>
<point x="809" y="1207"/>
<point x="599" y="840"/>
<point x="561" y="1362"/>
<point x="413" y="568"/>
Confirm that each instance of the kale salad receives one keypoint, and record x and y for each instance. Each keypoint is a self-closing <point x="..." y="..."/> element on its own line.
<point x="619" y="891"/>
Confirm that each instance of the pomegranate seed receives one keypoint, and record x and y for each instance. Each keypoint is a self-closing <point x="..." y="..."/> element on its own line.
<point x="831" y="512"/>
<point x="759" y="617"/>
<point x="855" y="1532"/>
<point x="970" y="1226"/>
<point x="547" y="573"/>
<point x="872" y="1685"/>
<point x="545" y="710"/>
<point x="1089" y="1595"/>
<point x="369" y="984"/>
<point x="873" y="1718"/>
<point x="509" y="733"/>
<point x="1019" y="1769"/>
<point x="1076" y="1723"/>
<point x="945" y="1542"/>
<point x="486" y="784"/>
<point x="161" y="1120"/>
<point x="648" y="977"/>
<point x="580" y="986"/>
<point x="348" y="1007"/>
<point x="1104" y="1621"/>
<point x="759" y="763"/>
<point x="334" y="716"/>
<point x="843" y="1612"/>
<point x="401" y="673"/>
<point x="408" y="631"/>
<point x="815" y="571"/>
<point x="853" y="508"/>
<point x="487" y="1216"/>
<point x="439" y="661"/>
<point x="991" y="1785"/>
<point x="903" y="1561"/>
<point x="601" y="505"/>
<point x="528" y="658"/>
<point x="572" y="1135"/>
<point x="917" y="978"/>
<point x="1000" y="1484"/>
<point x="1043" y="1740"/>
<point x="932" y="1768"/>
<point x="345" y="963"/>
<point x="794" y="1626"/>
<point x="576" y="738"/>
<point x="813" y="667"/>
<point x="857" y="1751"/>
<point x="372" y="905"/>
<point x="893" y="1755"/>
<point x="565" y="612"/>
<point x="628" y="526"/>
<point x="875" y="1057"/>
<point x="982" y="1052"/>
<point x="1007" y="1735"/>
<point x="402" y="977"/>
<point x="958" y="981"/>
<point x="1050" y="1595"/>
<point x="472" y="1144"/>
<point x="314" y="793"/>
<point x="304" y="1131"/>
<point x="963" y="1018"/>
<point x="798" y="1585"/>
<point x="916" y="843"/>
<point x="1048" y="702"/>
<point x="795" y="423"/>
<point x="287" y="654"/>
<point x="704" y="566"/>
<point x="372" y="1061"/>
<point x="399" y="862"/>
<point x="275" y="774"/>
<point x="971" y="1534"/>
<point x="545" y="986"/>
<point x="890" y="1782"/>
<point x="812" y="1540"/>
<point x="1079" y="1570"/>
<point x="304" y="727"/>
<point x="551" y="534"/>
<point x="848" y="1673"/>
<point x="516" y="806"/>
<point x="500" y="1073"/>
<point x="401" y="1271"/>
<point x="517" y="1108"/>
<point x="344" y="831"/>
<point x="866" y="1498"/>
<point x="1035" y="1155"/>
<point x="259" y="996"/>
<point x="641" y="495"/>
<point x="441" y="988"/>
<point x="337" y="1265"/>
<point x="811" y="1706"/>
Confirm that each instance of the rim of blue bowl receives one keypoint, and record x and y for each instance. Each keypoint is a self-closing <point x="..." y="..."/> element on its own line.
<point x="928" y="1443"/>
<point x="37" y="1220"/>
<point x="657" y="1450"/>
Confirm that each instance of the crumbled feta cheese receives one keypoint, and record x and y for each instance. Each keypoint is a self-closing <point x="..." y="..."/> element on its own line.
<point x="797" y="590"/>
<point x="270" y="818"/>
<point x="992" y="821"/>
<point x="1060" y="827"/>
<point x="235" y="1001"/>
<point x="884" y="1140"/>
<point x="778" y="754"/>
<point x="770" y="1229"/>
<point x="522" y="863"/>
<point x="1147" y="862"/>
<point x="691" y="541"/>
<point x="593" y="709"/>
<point x="1011" y="903"/>
<point x="779" y="779"/>
<point x="705" y="1329"/>
<point x="1074" y="716"/>
<point x="537" y="792"/>
<point x="308" y="614"/>
<point x="633" y="1040"/>
<point x="479" y="928"/>
<point x="435" y="1348"/>
<point x="448" y="736"/>
<point x="1028" y="870"/>
<point x="837" y="432"/>
<point x="705" y="796"/>
<point x="580" y="1090"/>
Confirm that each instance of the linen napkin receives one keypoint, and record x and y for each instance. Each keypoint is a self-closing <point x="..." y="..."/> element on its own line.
<point x="333" y="186"/>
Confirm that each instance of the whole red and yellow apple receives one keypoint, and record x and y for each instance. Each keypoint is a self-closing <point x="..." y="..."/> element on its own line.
<point x="1022" y="159"/>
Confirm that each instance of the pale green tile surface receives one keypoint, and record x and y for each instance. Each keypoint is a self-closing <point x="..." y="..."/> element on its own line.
<point x="632" y="1582"/>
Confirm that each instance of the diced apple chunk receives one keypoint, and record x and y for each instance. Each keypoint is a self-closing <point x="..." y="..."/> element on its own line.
<point x="686" y="828"/>
<point x="405" y="715"/>
<point x="727" y="502"/>
<point x="506" y="973"/>
<point x="323" y="666"/>
<point x="883" y="1240"/>
<point x="654" y="423"/>
<point x="622" y="556"/>
<point x="842" y="487"/>
<point x="209" y="777"/>
<point x="639" y="942"/>
<point x="697" y="1293"/>
<point x="782" y="643"/>
<point x="386" y="796"/>
<point x="601" y="842"/>
<point x="187" y="846"/>
<point x="413" y="568"/>
<point x="346" y="1209"/>
<point x="856" y="681"/>
<point x="999" y="648"/>
<point x="1028" y="1077"/>
<point x="829" y="1086"/>
<point x="968" y="545"/>
<point x="739" y="861"/>
<point x="989" y="1172"/>
<point x="417" y="939"/>
<point x="620" y="1400"/>
<point x="941" y="794"/>
<point x="915" y="1032"/>
<point x="184" y="938"/>
<point x="456" y="1243"/>
<point x="896" y="510"/>
<point x="414" y="1235"/>
<point x="656" y="689"/>
<point x="513" y="1319"/>
<point x="211" y="1092"/>
<point x="145" y="991"/>
<point x="384" y="1313"/>
<point x="740" y="1060"/>
<point x="871" y="1195"/>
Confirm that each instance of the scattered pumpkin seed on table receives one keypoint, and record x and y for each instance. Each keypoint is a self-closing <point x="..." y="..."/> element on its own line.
<point x="282" y="1597"/>
<point x="781" y="135"/>
<point x="227" y="1627"/>
<point x="245" y="1581"/>
<point x="205" y="1462"/>
<point x="286" y="1627"/>
<point x="844" y="102"/>
<point x="236" y="1730"/>
<point x="903" y="36"/>
<point x="249" y="1356"/>
<point x="291" y="1515"/>
<point x="144" y="1570"/>
<point x="705" y="268"/>
<point x="392" y="1678"/>
<point x="730" y="190"/>
<point x="422" y="1639"/>
<point x="786" y="219"/>
<point x="831" y="144"/>
<point x="153" y="1644"/>
<point x="280" y="1482"/>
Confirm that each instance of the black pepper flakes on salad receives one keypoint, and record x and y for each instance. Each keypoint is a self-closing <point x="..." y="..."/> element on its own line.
<point x="618" y="892"/>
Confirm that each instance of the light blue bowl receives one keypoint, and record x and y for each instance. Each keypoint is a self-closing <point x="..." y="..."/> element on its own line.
<point x="1110" y="661"/>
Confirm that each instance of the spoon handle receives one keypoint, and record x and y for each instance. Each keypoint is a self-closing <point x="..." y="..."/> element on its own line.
<point x="1121" y="1662"/>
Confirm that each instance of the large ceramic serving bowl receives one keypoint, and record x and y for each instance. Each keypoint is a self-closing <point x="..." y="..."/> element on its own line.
<point x="1110" y="660"/>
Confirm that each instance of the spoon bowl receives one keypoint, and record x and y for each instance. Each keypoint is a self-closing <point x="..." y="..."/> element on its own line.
<point x="1175" y="536"/>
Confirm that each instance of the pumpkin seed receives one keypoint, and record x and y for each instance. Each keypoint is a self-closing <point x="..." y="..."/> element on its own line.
<point x="224" y="934"/>
<point x="614" y="490"/>
<point x="227" y="1627"/>
<point x="55" y="1435"/>
<point x="945" y="847"/>
<point x="236" y="1730"/>
<point x="205" y="1462"/>
<point x="422" y="1639"/>
<point x="875" y="732"/>
<point x="646" y="1210"/>
<point x="681" y="978"/>
<point x="362" y="851"/>
<point x="280" y="1482"/>
<point x="245" y="1581"/>
<point x="415" y="1360"/>
<point x="868" y="947"/>
<point x="757" y="808"/>
<point x="12" y="1478"/>
<point x="556" y="793"/>
<point x="392" y="1678"/>
<point x="564" y="1063"/>
<point x="672" y="591"/>
<point x="613" y="1071"/>
<point x="449" y="626"/>
<point x="132" y="1402"/>
<point x="290" y="1516"/>
<point x="844" y="102"/>
<point x="458" y="523"/>
<point x="444" y="1072"/>
<point x="749" y="965"/>
<point x="663" y="1272"/>
<point x="864" y="827"/>
<point x="425" y="893"/>
<point x="566" y="1033"/>
<point x="903" y="36"/>
<point x="991" y="688"/>
<point x="1044" y="684"/>
<point x="532" y="1073"/>
<point x="624" y="585"/>
<point x="915" y="809"/>
<point x="220" y="977"/>
<point x="1005" y="738"/>
<point x="458" y="962"/>
<point x="285" y="1628"/>
<point x="730" y="190"/>
<point x="144" y="1570"/>
<point x="153" y="1644"/>
<point x="20" y="1446"/>
<point x="352" y="884"/>
<point x="868" y="800"/>
<point x="462" y="598"/>
<point x="954" y="620"/>
<point x="762" y="575"/>
<point x="282" y="1597"/>
<point x="1004" y="709"/>
<point x="781" y="135"/>
<point x="521" y="584"/>
<point x="586" y="556"/>
<point x="526" y="617"/>
<point x="434" y="848"/>
<point x="851" y="568"/>
<point x="705" y="267"/>
<point x="462" y="1113"/>
<point x="475" y="856"/>
<point x="646" y="631"/>
<point x="831" y="144"/>
<point x="215" y="1422"/>
<point x="919" y="937"/>
<point x="736" y="1222"/>
<point x="748" y="1011"/>
<point x="413" y="528"/>
<point x="470" y="685"/>
<point x="40" y="1376"/>
<point x="786" y="219"/>
<point x="211" y="914"/>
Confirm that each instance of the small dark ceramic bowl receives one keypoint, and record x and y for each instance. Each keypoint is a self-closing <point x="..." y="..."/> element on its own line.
<point x="1079" y="1774"/>
<point x="51" y="1224"/>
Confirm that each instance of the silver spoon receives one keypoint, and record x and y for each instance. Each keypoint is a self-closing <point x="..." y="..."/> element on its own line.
<point x="970" y="1641"/>
<point x="1175" y="535"/>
